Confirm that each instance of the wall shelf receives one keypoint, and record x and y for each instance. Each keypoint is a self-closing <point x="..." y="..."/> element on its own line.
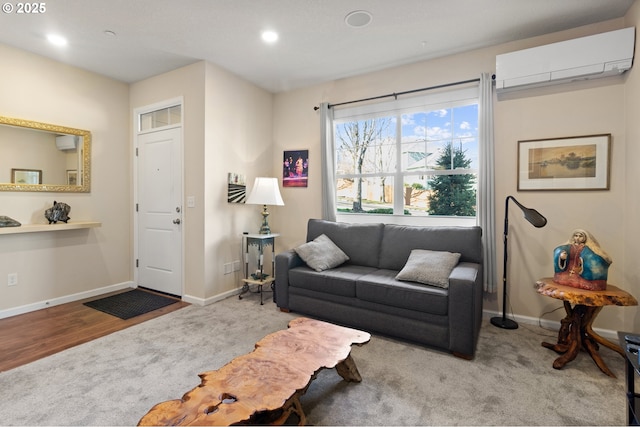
<point x="35" y="228"/>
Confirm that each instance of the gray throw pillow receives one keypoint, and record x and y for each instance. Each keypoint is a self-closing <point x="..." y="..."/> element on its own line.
<point x="321" y="253"/>
<point x="429" y="267"/>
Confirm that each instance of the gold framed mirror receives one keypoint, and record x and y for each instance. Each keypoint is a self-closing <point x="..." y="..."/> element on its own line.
<point x="61" y="155"/>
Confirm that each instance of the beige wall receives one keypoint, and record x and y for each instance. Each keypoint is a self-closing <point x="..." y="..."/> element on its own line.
<point x="631" y="206"/>
<point x="55" y="265"/>
<point x="36" y="150"/>
<point x="238" y="130"/>
<point x="189" y="83"/>
<point x="591" y="109"/>
<point x="227" y="128"/>
<point x="233" y="126"/>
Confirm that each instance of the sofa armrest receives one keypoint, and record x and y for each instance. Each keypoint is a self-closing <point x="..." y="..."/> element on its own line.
<point x="465" y="308"/>
<point x="284" y="262"/>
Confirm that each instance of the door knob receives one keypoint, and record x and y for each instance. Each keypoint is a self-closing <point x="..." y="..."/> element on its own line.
<point x="176" y="221"/>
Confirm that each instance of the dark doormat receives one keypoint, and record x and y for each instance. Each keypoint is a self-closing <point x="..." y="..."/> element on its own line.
<point x="131" y="303"/>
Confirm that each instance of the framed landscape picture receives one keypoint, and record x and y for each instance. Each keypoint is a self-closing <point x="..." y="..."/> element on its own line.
<point x="72" y="177"/>
<point x="26" y="176"/>
<point x="571" y="163"/>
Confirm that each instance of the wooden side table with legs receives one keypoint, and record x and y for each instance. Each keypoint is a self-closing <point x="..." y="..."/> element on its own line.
<point x="576" y="330"/>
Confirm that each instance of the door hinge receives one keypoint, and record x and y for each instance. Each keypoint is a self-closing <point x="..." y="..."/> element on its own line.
<point x="136" y="151"/>
<point x="136" y="207"/>
<point x="137" y="262"/>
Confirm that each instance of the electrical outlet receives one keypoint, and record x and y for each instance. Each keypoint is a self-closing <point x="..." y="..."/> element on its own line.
<point x="227" y="268"/>
<point x="236" y="265"/>
<point x="12" y="279"/>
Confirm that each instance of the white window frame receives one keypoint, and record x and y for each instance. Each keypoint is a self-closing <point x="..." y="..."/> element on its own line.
<point x="428" y="101"/>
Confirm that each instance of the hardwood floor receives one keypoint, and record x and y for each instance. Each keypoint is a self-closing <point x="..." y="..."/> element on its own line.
<point x="31" y="336"/>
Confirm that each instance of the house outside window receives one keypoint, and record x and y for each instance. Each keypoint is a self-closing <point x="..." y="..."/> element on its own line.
<point x="415" y="157"/>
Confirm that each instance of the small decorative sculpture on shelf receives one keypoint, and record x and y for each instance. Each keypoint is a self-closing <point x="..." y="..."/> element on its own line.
<point x="581" y="262"/>
<point x="58" y="212"/>
<point x="6" y="221"/>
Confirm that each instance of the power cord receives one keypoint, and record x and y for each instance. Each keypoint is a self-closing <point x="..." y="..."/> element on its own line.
<point x="544" y="314"/>
<point x="535" y="331"/>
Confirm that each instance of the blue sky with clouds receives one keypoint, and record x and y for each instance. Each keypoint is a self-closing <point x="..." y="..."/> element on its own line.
<point x="424" y="136"/>
<point x="432" y="131"/>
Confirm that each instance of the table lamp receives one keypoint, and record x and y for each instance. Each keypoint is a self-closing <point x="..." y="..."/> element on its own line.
<point x="265" y="192"/>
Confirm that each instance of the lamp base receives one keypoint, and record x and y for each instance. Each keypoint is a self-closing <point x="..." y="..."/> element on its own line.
<point x="504" y="323"/>
<point x="265" y="229"/>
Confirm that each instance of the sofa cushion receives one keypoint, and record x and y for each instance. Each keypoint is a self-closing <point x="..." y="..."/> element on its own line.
<point x="429" y="267"/>
<point x="399" y="240"/>
<point x="382" y="287"/>
<point x="361" y="242"/>
<point x="336" y="281"/>
<point x="321" y="253"/>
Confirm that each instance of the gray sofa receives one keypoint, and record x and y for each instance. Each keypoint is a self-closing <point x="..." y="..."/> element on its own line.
<point x="364" y="293"/>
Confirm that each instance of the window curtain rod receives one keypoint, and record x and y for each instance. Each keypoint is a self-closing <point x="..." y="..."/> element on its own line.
<point x="395" y="95"/>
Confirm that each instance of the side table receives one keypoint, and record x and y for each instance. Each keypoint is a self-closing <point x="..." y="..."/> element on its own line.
<point x="632" y="368"/>
<point x="260" y="241"/>
<point x="576" y="330"/>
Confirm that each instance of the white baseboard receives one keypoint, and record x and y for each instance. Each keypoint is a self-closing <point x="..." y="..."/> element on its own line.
<point x="101" y="291"/>
<point x="206" y="301"/>
<point x="550" y="324"/>
<point x="63" y="300"/>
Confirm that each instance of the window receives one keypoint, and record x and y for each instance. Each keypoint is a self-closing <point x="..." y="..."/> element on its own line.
<point x="160" y="118"/>
<point x="416" y="157"/>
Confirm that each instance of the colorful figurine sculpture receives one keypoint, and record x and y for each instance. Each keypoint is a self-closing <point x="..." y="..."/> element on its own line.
<point x="581" y="262"/>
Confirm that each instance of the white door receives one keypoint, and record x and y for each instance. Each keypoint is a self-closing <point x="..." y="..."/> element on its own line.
<point x="159" y="209"/>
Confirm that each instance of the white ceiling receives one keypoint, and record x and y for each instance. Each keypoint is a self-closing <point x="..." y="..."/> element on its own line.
<point x="315" y="45"/>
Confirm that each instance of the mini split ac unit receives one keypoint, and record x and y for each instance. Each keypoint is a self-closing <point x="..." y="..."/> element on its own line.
<point x="67" y="142"/>
<point x="600" y="55"/>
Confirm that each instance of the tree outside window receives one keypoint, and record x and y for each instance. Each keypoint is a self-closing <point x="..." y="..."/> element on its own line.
<point x="365" y="152"/>
<point x="453" y="195"/>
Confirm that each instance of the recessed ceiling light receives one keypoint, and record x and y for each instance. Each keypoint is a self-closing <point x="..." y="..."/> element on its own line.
<point x="358" y="18"/>
<point x="57" y="40"/>
<point x="269" y="36"/>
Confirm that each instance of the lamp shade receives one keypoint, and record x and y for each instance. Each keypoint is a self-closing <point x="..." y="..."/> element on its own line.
<point x="533" y="216"/>
<point x="265" y="191"/>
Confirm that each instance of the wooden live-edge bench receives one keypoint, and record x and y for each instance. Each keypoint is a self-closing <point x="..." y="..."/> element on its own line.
<point x="264" y="386"/>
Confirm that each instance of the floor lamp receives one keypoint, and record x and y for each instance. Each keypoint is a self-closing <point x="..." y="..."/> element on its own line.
<point x="538" y="221"/>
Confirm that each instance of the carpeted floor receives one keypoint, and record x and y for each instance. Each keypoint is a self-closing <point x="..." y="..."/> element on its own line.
<point x="116" y="379"/>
